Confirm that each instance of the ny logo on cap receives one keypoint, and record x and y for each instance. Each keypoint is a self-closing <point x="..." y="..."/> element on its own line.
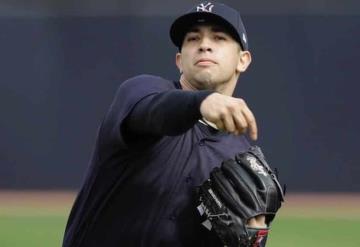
<point x="205" y="7"/>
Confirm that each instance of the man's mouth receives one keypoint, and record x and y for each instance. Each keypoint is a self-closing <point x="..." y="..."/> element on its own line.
<point x="205" y="62"/>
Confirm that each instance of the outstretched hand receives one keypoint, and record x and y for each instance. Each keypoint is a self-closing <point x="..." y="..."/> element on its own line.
<point x="229" y="114"/>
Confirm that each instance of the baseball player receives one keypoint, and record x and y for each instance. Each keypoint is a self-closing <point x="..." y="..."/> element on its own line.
<point x="160" y="139"/>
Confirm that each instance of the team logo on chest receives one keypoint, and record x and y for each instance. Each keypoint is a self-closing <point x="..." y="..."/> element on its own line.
<point x="205" y="7"/>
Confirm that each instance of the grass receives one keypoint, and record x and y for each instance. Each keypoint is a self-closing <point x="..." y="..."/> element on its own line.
<point x="31" y="231"/>
<point x="42" y="225"/>
<point x="47" y="231"/>
<point x="317" y="232"/>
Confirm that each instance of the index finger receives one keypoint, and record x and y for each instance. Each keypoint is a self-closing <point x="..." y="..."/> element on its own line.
<point x="252" y="126"/>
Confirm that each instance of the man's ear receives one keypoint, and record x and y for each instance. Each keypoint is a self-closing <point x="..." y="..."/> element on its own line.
<point x="178" y="61"/>
<point x="244" y="61"/>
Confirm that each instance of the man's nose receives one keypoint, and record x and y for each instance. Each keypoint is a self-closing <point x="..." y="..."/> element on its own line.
<point x="205" y="45"/>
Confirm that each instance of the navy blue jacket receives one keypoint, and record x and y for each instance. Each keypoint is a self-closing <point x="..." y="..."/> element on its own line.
<point x="151" y="152"/>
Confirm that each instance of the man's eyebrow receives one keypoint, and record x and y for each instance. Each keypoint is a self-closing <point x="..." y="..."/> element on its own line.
<point x="194" y="30"/>
<point x="218" y="29"/>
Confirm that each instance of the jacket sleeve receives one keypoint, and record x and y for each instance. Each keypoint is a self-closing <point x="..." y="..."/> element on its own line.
<point x="151" y="106"/>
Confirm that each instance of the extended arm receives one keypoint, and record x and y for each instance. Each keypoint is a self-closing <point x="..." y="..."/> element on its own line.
<point x="167" y="113"/>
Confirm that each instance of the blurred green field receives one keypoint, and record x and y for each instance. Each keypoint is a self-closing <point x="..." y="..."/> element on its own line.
<point x="31" y="231"/>
<point x="296" y="232"/>
<point x="42" y="225"/>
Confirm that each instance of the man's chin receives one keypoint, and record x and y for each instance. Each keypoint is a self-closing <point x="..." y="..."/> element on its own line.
<point x="205" y="84"/>
<point x="205" y="77"/>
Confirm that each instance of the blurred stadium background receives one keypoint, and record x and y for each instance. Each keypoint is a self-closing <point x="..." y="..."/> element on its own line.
<point x="61" y="62"/>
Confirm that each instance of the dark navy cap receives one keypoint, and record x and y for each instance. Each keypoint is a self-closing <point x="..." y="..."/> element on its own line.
<point x="210" y="12"/>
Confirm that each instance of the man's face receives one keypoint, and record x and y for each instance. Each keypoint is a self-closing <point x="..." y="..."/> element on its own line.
<point x="209" y="57"/>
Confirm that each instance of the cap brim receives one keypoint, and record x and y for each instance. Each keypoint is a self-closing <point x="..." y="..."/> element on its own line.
<point x="181" y="25"/>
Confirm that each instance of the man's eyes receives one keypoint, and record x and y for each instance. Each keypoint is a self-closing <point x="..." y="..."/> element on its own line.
<point x="215" y="37"/>
<point x="192" y="38"/>
<point x="220" y="37"/>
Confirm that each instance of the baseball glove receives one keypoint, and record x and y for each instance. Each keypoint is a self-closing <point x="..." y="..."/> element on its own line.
<point x="239" y="190"/>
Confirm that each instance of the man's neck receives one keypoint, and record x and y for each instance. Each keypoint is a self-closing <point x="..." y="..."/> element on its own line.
<point x="185" y="85"/>
<point x="227" y="89"/>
